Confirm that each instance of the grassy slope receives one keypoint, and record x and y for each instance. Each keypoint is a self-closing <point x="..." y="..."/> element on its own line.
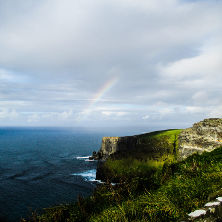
<point x="184" y="187"/>
<point x="149" y="190"/>
<point x="159" y="143"/>
<point x="152" y="150"/>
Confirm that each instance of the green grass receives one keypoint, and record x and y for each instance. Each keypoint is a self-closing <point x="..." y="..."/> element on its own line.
<point x="152" y="151"/>
<point x="128" y="168"/>
<point x="166" y="193"/>
<point x="130" y="165"/>
<point x="158" y="143"/>
<point x="155" y="134"/>
<point x="185" y="186"/>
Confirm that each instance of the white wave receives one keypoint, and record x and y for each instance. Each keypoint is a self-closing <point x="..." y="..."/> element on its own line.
<point x="98" y="181"/>
<point x="82" y="157"/>
<point x="87" y="160"/>
<point x="89" y="175"/>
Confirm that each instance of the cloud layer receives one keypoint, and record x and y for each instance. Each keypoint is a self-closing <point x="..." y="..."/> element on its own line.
<point x="57" y="55"/>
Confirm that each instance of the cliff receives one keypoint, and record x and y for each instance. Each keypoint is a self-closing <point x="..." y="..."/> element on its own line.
<point x="154" y="146"/>
<point x="150" y="145"/>
<point x="151" y="187"/>
<point x="203" y="136"/>
<point x="113" y="145"/>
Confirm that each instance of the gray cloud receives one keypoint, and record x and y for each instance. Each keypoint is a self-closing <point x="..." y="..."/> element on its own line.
<point x="56" y="56"/>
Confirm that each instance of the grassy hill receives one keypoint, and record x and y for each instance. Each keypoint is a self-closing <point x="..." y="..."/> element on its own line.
<point x="148" y="189"/>
<point x="151" y="152"/>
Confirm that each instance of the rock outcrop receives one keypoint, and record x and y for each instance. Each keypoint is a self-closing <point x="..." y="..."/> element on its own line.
<point x="203" y="136"/>
<point x="146" y="146"/>
<point x="112" y="145"/>
<point x="211" y="212"/>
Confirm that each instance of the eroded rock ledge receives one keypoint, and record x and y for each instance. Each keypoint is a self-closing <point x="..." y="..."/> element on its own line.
<point x="203" y="136"/>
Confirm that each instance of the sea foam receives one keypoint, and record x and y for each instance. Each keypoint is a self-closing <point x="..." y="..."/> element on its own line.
<point x="85" y="158"/>
<point x="89" y="175"/>
<point x="82" y="157"/>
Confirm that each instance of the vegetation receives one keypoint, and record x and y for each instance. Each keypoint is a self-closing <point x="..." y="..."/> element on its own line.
<point x="152" y="151"/>
<point x="157" y="145"/>
<point x="147" y="190"/>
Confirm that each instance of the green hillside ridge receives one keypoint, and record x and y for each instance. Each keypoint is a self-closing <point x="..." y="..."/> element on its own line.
<point x="153" y="144"/>
<point x="152" y="150"/>
<point x="151" y="187"/>
<point x="165" y="142"/>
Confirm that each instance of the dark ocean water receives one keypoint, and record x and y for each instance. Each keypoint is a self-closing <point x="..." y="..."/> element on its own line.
<point x="39" y="167"/>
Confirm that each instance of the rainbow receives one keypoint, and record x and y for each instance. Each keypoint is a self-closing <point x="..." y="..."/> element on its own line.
<point x="106" y="87"/>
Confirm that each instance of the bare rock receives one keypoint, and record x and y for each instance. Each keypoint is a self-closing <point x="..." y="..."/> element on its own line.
<point x="203" y="136"/>
<point x="111" y="145"/>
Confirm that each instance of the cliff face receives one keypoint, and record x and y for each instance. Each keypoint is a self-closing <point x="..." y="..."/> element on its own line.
<point x="150" y="145"/>
<point x="203" y="136"/>
<point x="161" y="145"/>
<point x="112" y="145"/>
<point x="158" y="145"/>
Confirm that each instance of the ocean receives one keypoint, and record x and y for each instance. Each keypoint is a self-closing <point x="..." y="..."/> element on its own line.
<point x="42" y="167"/>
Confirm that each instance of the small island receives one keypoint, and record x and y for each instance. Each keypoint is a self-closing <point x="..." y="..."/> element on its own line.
<point x="167" y="175"/>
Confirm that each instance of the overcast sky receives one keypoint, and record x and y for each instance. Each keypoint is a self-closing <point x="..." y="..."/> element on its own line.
<point x="110" y="62"/>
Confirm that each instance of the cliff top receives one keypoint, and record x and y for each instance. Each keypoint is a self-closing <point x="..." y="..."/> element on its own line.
<point x="211" y="122"/>
<point x="202" y="136"/>
<point x="149" y="145"/>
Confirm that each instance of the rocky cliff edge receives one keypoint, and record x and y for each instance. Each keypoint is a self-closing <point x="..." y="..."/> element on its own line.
<point x="203" y="136"/>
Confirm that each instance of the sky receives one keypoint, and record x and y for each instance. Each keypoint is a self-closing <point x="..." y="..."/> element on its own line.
<point x="113" y="63"/>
